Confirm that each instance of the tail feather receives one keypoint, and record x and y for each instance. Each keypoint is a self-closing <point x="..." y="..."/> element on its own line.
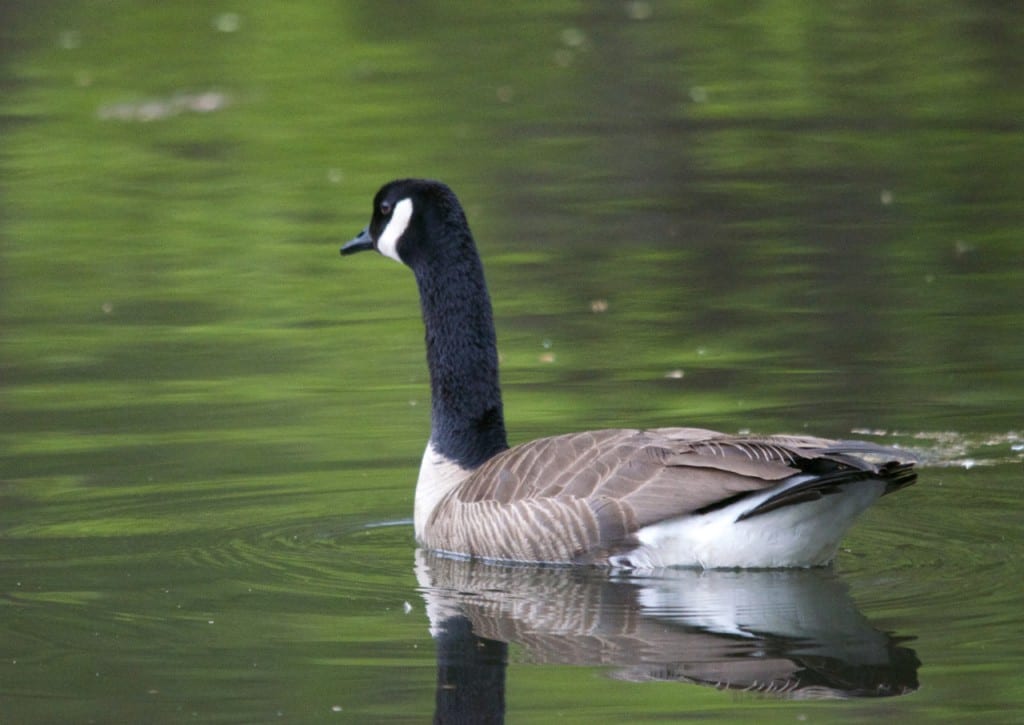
<point x="895" y="475"/>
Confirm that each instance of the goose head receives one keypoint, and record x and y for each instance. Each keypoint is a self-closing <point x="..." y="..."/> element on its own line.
<point x="414" y="221"/>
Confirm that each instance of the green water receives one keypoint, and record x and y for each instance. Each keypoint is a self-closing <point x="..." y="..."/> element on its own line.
<point x="800" y="217"/>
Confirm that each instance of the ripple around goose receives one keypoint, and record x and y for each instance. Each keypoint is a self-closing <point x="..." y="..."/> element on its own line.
<point x="309" y="558"/>
<point x="623" y="498"/>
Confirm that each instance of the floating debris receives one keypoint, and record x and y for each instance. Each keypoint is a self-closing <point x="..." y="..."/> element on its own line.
<point x="573" y="40"/>
<point x="160" y="109"/>
<point x="961" y="248"/>
<point x="546" y="357"/>
<point x="639" y="10"/>
<point x="227" y="22"/>
<point x="573" y="37"/>
<point x="869" y="431"/>
<point x="70" y="39"/>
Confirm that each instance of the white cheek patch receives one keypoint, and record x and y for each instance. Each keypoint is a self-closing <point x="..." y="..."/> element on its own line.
<point x="387" y="244"/>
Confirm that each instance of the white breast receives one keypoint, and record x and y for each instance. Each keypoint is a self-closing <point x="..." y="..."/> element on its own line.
<point x="438" y="476"/>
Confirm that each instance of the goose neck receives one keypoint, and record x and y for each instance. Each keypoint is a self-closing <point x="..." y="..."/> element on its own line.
<point x="467" y="420"/>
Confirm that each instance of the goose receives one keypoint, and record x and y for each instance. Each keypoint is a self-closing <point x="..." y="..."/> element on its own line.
<point x="616" y="498"/>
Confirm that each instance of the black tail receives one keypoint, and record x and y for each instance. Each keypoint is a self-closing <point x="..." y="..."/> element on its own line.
<point x="895" y="474"/>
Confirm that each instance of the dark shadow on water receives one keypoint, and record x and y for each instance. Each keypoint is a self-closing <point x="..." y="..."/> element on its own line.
<point x="793" y="634"/>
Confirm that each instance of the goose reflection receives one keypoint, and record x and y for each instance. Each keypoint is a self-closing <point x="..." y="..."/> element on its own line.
<point x="792" y="633"/>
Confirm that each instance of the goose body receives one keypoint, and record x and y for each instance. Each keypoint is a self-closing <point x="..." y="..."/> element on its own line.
<point x="621" y="497"/>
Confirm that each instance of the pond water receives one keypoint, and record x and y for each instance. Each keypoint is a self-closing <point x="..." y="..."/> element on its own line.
<point x="771" y="217"/>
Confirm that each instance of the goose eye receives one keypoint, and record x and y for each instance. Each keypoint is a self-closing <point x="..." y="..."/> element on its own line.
<point x="385" y="207"/>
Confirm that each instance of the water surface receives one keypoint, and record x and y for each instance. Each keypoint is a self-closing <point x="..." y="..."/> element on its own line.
<point x="762" y="218"/>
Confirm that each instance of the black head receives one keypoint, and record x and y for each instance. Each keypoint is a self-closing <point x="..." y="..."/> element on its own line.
<point x="411" y="219"/>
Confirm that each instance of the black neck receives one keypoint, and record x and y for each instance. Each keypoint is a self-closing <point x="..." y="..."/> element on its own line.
<point x="467" y="423"/>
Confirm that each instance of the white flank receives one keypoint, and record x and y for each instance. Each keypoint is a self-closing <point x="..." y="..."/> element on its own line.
<point x="438" y="476"/>
<point x="806" y="534"/>
<point x="388" y="242"/>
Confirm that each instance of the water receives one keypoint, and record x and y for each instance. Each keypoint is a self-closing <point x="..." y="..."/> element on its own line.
<point x="746" y="217"/>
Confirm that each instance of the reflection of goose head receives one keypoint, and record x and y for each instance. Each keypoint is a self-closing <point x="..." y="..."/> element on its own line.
<point x="792" y="632"/>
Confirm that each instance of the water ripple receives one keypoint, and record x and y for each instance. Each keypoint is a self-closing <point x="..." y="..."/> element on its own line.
<point x="949" y="448"/>
<point x="946" y="549"/>
<point x="357" y="558"/>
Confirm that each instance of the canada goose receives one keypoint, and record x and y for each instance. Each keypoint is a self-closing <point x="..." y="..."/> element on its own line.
<point x="622" y="498"/>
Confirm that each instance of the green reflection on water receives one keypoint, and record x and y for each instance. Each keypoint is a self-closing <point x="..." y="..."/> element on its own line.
<point x="774" y="216"/>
